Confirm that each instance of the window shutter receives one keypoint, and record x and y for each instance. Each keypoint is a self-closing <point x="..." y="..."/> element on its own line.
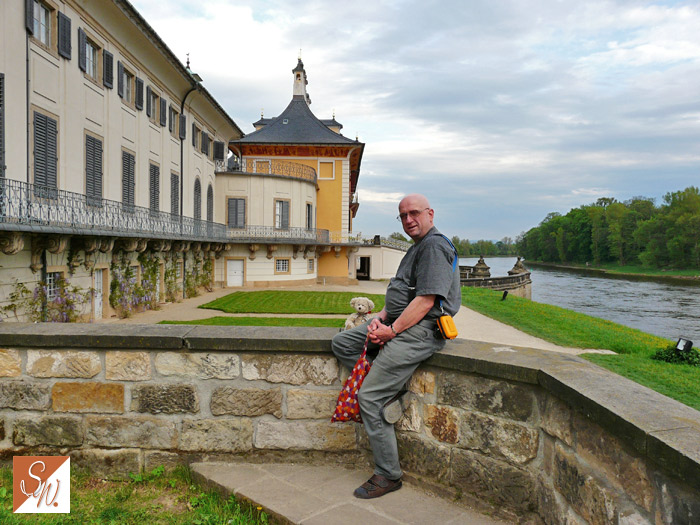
<point x="2" y="125"/>
<point x="40" y="149"/>
<point x="197" y="200"/>
<point x="170" y="119"/>
<point x="183" y="124"/>
<point x="210" y="203"/>
<point x="218" y="150"/>
<point x="231" y="212"/>
<point x="205" y="143"/>
<point x="240" y="213"/>
<point x="29" y="16"/>
<point x="139" y="93"/>
<point x="174" y="193"/>
<point x="64" y="43"/>
<point x="154" y="183"/>
<point x="163" y="112"/>
<point x="108" y="70"/>
<point x="120" y="79"/>
<point x="93" y="168"/>
<point x="194" y="135"/>
<point x="149" y="109"/>
<point x="82" y="43"/>
<point x="285" y="214"/>
<point x="128" y="167"/>
<point x="51" y="153"/>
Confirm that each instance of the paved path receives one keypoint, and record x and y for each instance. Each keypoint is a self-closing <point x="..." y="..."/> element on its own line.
<point x="470" y="324"/>
<point x="318" y="495"/>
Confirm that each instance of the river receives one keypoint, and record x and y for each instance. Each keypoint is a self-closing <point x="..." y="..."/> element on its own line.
<point x="662" y="307"/>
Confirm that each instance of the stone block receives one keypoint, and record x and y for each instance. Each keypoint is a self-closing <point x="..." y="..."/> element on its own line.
<point x="217" y="435"/>
<point x="443" y="423"/>
<point x="156" y="458"/>
<point x="411" y="420"/>
<point x="67" y="363"/>
<point x="498" y="437"/>
<point x="588" y="496"/>
<point x="107" y="464"/>
<point x="128" y="366"/>
<point x="130" y="432"/>
<point x="290" y="369"/>
<point x="422" y="382"/>
<point x="311" y="404"/>
<point x="423" y="456"/>
<point x="557" y="419"/>
<point x="2" y="429"/>
<point x="164" y="399"/>
<point x="10" y="363"/>
<point x="495" y="397"/>
<point x="305" y="435"/>
<point x="56" y="431"/>
<point x="88" y="397"/>
<point x="608" y="455"/>
<point x="551" y="507"/>
<point x="676" y="502"/>
<point x="494" y="480"/>
<point x="198" y="365"/>
<point x="20" y="395"/>
<point x="246" y="401"/>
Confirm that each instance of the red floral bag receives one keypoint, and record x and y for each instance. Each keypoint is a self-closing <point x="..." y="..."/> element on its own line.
<point x="347" y="408"/>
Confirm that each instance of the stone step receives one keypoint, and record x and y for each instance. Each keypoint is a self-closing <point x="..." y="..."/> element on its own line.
<point x="322" y="495"/>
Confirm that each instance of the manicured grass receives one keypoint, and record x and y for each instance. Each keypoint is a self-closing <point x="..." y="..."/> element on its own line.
<point x="264" y="321"/>
<point x="560" y="326"/>
<point x="568" y="328"/>
<point x="153" y="498"/>
<point x="290" y="302"/>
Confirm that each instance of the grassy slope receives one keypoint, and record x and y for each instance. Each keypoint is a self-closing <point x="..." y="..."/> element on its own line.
<point x="567" y="328"/>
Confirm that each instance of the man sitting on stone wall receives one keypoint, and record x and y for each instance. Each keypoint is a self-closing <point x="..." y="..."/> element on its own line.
<point x="426" y="283"/>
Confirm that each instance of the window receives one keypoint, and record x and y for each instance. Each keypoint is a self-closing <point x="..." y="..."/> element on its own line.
<point x="93" y="170"/>
<point x="125" y="84"/>
<point x="235" y="213"/>
<point x="282" y="214"/>
<point x="45" y="155"/>
<point x="154" y="187"/>
<point x="309" y="216"/>
<point x="41" y="22"/>
<point x="197" y="199"/>
<point x="281" y="265"/>
<point x="89" y="55"/>
<point x="196" y="135"/>
<point x="310" y="265"/>
<point x="128" y="182"/>
<point x="153" y="106"/>
<point x="210" y="203"/>
<point x="52" y="285"/>
<point x="174" y="194"/>
<point x="174" y="122"/>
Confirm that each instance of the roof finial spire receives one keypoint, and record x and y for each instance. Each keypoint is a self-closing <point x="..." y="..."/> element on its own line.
<point x="333" y="113"/>
<point x="188" y="60"/>
<point x="299" y="53"/>
<point x="262" y="110"/>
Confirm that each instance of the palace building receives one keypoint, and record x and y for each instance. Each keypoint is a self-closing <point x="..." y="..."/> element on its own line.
<point x="121" y="175"/>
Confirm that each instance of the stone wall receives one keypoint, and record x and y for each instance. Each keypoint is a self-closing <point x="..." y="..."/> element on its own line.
<point x="540" y="435"/>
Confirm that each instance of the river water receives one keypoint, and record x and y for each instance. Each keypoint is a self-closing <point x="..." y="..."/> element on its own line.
<point x="662" y="307"/>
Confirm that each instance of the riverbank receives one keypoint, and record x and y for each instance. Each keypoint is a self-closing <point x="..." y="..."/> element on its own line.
<point x="685" y="276"/>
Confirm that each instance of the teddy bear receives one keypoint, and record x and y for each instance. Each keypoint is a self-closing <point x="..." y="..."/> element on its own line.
<point x="363" y="307"/>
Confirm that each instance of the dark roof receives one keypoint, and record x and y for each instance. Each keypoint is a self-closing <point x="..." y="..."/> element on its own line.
<point x="330" y="122"/>
<point x="296" y="125"/>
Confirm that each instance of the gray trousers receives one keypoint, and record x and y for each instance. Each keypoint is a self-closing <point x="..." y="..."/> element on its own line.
<point x="390" y="371"/>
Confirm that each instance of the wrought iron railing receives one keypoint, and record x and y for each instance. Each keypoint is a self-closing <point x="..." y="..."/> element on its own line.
<point x="388" y="241"/>
<point x="268" y="167"/>
<point x="31" y="207"/>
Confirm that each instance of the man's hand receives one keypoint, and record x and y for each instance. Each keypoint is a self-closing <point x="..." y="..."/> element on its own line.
<point x="381" y="333"/>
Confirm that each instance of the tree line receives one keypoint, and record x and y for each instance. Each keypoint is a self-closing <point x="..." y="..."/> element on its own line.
<point x="633" y="232"/>
<point x="467" y="248"/>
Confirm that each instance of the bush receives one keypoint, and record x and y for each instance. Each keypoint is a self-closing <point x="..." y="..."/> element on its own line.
<point x="671" y="355"/>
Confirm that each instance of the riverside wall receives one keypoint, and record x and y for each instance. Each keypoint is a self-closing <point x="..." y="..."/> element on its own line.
<point x="544" y="437"/>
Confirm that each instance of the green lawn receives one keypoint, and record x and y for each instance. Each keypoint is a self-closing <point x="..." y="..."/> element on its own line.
<point x="265" y="321"/>
<point x="290" y="302"/>
<point x="154" y="498"/>
<point x="568" y="328"/>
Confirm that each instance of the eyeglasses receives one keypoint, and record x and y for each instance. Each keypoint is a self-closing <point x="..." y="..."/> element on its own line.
<point x="413" y="214"/>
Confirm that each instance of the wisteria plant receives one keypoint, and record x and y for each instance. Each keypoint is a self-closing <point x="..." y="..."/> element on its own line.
<point x="65" y="305"/>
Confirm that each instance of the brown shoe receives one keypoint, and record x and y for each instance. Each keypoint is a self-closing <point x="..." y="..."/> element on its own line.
<point x="376" y="486"/>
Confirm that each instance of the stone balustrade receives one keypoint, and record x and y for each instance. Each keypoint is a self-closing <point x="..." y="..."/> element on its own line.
<point x="541" y="435"/>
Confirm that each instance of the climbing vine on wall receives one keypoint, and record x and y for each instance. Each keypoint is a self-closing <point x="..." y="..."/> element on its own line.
<point x="170" y="278"/>
<point x="66" y="304"/>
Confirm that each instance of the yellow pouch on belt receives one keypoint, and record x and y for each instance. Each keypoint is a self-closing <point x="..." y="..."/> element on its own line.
<point x="447" y="327"/>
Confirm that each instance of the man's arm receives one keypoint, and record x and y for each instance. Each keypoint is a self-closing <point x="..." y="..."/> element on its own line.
<point x="414" y="312"/>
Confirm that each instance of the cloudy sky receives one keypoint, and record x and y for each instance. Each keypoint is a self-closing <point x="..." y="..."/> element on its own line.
<point x="499" y="111"/>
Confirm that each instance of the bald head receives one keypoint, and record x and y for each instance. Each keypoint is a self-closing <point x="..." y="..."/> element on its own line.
<point x="416" y="215"/>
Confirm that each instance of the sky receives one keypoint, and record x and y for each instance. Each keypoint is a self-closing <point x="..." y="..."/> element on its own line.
<point x="500" y="112"/>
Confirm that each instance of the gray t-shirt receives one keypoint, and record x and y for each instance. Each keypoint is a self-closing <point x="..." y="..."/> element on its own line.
<point x="426" y="269"/>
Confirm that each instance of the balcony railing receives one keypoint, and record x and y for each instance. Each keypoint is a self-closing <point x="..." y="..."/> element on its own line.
<point x="268" y="167"/>
<point x="30" y="207"/>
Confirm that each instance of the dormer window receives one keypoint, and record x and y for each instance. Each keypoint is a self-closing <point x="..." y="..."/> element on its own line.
<point x="285" y="121"/>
